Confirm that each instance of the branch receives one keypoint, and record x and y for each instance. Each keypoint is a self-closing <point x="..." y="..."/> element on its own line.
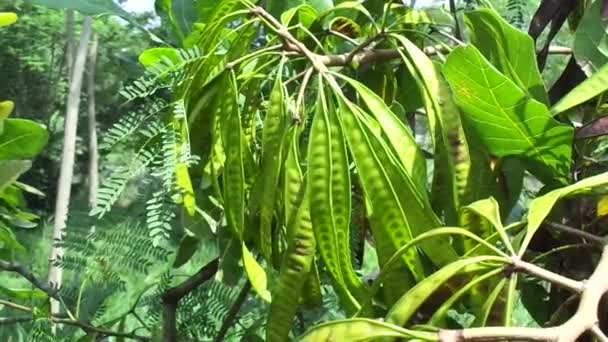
<point x="360" y="55"/>
<point x="585" y="319"/>
<point x="597" y="240"/>
<point x="82" y="325"/>
<point x="384" y="55"/>
<point x="30" y="276"/>
<point x="234" y="310"/>
<point x="554" y="278"/>
<point x="15" y="320"/>
<point x="172" y="296"/>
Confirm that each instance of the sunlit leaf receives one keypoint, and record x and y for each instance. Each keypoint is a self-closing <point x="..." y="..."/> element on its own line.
<point x="508" y="121"/>
<point x="359" y="329"/>
<point x="591" y="37"/>
<point x="256" y="274"/>
<point x="541" y="206"/>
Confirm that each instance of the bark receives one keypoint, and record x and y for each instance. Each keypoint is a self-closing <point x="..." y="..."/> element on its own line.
<point x="67" y="156"/>
<point x="93" y="149"/>
<point x="70" y="45"/>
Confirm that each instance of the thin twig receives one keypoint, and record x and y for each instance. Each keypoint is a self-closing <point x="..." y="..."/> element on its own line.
<point x="600" y="241"/>
<point x="297" y="116"/>
<point x="585" y="319"/>
<point x="82" y="325"/>
<point x="554" y="278"/>
<point x="30" y="276"/>
<point x="233" y="312"/>
<point x="172" y="296"/>
<point x="598" y="333"/>
<point x="15" y="320"/>
<point x="15" y="306"/>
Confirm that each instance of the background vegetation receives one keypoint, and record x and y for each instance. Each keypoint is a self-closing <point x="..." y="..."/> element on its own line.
<point x="308" y="170"/>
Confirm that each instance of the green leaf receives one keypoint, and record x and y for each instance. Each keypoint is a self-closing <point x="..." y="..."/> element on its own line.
<point x="153" y="56"/>
<point x="8" y="241"/>
<point x="182" y="15"/>
<point x="507" y="121"/>
<point x="540" y="207"/>
<point x="22" y="139"/>
<point x="330" y="200"/>
<point x="591" y="37"/>
<point x="483" y="313"/>
<point x="406" y="307"/>
<point x="510" y="50"/>
<point x="295" y="270"/>
<point x="442" y="313"/>
<point x="10" y="170"/>
<point x="187" y="248"/>
<point x="360" y="329"/>
<point x="399" y="137"/>
<point x="7" y="18"/>
<point x="452" y="183"/>
<point x="594" y="86"/>
<point x="6" y="108"/>
<point x="275" y="129"/>
<point x="489" y="210"/>
<point x="256" y="274"/>
<point x="88" y="7"/>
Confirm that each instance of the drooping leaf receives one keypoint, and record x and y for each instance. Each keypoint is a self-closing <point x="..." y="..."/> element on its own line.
<point x="489" y="210"/>
<point x="359" y="329"/>
<point x="187" y="248"/>
<point x="10" y="170"/>
<point x="295" y="268"/>
<point x="399" y="137"/>
<point x="398" y="212"/>
<point x="594" y="86"/>
<point x="8" y="241"/>
<point x="256" y="274"/>
<point x="234" y="170"/>
<point x="541" y="206"/>
<point x="6" y="108"/>
<point x="409" y="303"/>
<point x="509" y="122"/>
<point x="452" y="183"/>
<point x="330" y="201"/>
<point x="275" y="129"/>
<point x="22" y="139"/>
<point x="591" y="37"/>
<point x="510" y="50"/>
<point x="441" y="313"/>
<point x="7" y="18"/>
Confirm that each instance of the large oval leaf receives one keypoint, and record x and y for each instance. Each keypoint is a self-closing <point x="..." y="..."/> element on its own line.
<point x="22" y="139"/>
<point x="591" y="38"/>
<point x="506" y="119"/>
<point x="510" y="50"/>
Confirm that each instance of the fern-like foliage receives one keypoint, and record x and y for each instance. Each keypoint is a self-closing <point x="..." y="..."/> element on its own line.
<point x="102" y="256"/>
<point x="129" y="123"/>
<point x="515" y="13"/>
<point x="167" y="73"/>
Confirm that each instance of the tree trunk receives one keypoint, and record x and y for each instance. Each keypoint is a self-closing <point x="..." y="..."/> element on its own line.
<point x="93" y="150"/>
<point x="67" y="156"/>
<point x="70" y="44"/>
